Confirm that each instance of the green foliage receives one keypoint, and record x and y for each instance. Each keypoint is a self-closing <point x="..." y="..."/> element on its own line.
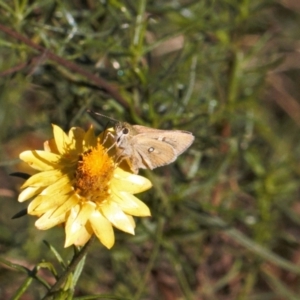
<point x="225" y="216"/>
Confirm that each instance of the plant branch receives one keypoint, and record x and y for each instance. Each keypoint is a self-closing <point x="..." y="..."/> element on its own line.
<point x="67" y="64"/>
<point x="71" y="267"/>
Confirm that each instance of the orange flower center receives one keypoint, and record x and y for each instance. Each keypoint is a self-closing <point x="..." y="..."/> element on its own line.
<point x="93" y="174"/>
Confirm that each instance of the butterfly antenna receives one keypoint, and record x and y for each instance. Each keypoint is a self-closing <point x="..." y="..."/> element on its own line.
<point x="98" y="114"/>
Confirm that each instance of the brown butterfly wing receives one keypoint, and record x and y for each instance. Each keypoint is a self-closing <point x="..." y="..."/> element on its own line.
<point x="180" y="140"/>
<point x="153" y="154"/>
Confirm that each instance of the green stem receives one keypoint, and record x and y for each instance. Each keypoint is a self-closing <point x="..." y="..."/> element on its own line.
<point x="142" y="283"/>
<point x="139" y="32"/>
<point x="75" y="261"/>
<point x="234" y="77"/>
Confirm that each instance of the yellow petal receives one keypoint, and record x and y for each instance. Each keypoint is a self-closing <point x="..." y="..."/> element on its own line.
<point x="90" y="140"/>
<point x="67" y="205"/>
<point x="131" y="220"/>
<point x="43" y="203"/>
<point x="103" y="229"/>
<point x="61" y="186"/>
<point x="40" y="160"/>
<point x="29" y="192"/>
<point x="80" y="237"/>
<point x="50" y="146"/>
<point x="130" y="204"/>
<point x="76" y="136"/>
<point x="84" y="214"/>
<point x="131" y="183"/>
<point x="51" y="197"/>
<point x="42" y="179"/>
<point x="77" y="219"/>
<point x="71" y="216"/>
<point x="84" y="234"/>
<point x="34" y="204"/>
<point x="61" y="139"/>
<point x="117" y="217"/>
<point x="45" y="221"/>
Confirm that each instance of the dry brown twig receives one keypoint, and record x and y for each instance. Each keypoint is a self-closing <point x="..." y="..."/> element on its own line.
<point x="66" y="63"/>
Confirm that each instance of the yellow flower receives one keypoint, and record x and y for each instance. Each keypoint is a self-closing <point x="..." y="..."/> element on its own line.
<point x="80" y="186"/>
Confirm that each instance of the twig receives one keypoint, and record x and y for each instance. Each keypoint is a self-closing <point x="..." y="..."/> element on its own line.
<point x="71" y="267"/>
<point x="67" y="64"/>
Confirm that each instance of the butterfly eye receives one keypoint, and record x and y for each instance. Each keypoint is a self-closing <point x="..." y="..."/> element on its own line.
<point x="151" y="149"/>
<point x="125" y="130"/>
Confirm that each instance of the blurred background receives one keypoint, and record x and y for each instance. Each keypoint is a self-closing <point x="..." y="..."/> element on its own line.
<point x="226" y="215"/>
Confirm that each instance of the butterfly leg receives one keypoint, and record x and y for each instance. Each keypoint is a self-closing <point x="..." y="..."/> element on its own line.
<point x="120" y="158"/>
<point x="109" y="134"/>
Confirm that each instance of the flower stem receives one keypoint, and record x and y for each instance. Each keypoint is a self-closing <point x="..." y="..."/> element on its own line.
<point x="71" y="267"/>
